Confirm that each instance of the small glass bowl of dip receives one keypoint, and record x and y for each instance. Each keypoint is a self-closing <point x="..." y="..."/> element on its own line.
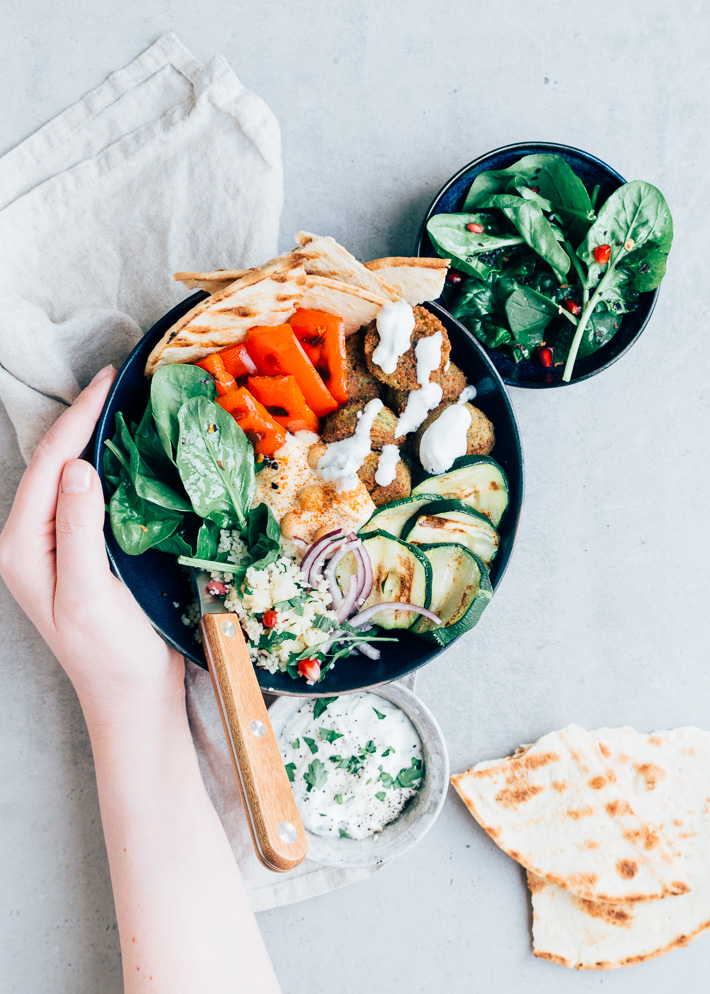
<point x="420" y="813"/>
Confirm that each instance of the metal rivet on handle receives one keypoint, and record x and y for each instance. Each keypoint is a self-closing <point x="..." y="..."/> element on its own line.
<point x="287" y="831"/>
<point x="229" y="629"/>
<point x="258" y="728"/>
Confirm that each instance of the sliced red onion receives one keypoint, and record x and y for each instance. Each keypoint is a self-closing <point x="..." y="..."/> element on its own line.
<point x="348" y="602"/>
<point x="315" y="571"/>
<point x="367" y="579"/>
<point x="368" y="650"/>
<point x="300" y="542"/>
<point x="335" y="561"/>
<point x="369" y="612"/>
<point x="317" y="554"/>
<point x="314" y="547"/>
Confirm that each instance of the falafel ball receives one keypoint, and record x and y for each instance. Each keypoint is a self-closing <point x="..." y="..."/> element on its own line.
<point x="362" y="385"/>
<point x="400" y="487"/>
<point x="343" y="422"/>
<point x="480" y="437"/>
<point x="452" y="383"/>
<point x="405" y="375"/>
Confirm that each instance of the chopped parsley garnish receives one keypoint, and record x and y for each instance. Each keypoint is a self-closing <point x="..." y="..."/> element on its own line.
<point x="329" y="736"/>
<point x="354" y="764"/>
<point x="409" y="775"/>
<point x="338" y="798"/>
<point x="321" y="704"/>
<point x="379" y="714"/>
<point x="386" y="778"/>
<point x="380" y="795"/>
<point x="291" y="771"/>
<point x="316" y="776"/>
<point x="311" y="743"/>
<point x="344" y="834"/>
<point x="295" y="604"/>
<point x="388" y="750"/>
<point x="296" y="743"/>
<point x="367" y="749"/>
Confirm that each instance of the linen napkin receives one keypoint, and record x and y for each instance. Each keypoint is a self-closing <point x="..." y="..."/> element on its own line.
<point x="170" y="164"/>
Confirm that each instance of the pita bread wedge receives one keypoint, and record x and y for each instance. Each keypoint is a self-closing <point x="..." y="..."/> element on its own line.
<point x="415" y="280"/>
<point x="261" y="296"/>
<point x="356" y="306"/>
<point x="559" y="808"/>
<point x="321" y="255"/>
<point x="212" y="282"/>
<point x="667" y="777"/>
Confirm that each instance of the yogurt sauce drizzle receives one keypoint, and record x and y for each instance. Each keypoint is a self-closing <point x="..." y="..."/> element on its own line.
<point x="445" y="439"/>
<point x="428" y="353"/>
<point x="341" y="460"/>
<point x="468" y="393"/>
<point x="387" y="465"/>
<point x="395" y="324"/>
<point x="420" y="402"/>
<point x="353" y="768"/>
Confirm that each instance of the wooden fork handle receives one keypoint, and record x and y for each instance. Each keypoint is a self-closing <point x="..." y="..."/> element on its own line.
<point x="275" y="823"/>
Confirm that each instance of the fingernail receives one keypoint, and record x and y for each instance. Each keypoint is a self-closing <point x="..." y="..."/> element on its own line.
<point x="76" y="478"/>
<point x="106" y="371"/>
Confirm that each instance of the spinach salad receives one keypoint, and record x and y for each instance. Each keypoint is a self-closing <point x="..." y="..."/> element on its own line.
<point x="543" y="270"/>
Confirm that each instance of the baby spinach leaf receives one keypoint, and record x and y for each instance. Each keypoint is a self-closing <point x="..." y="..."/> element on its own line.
<point x="451" y="239"/>
<point x="216" y="462"/>
<point x="263" y="536"/>
<point x="535" y="229"/>
<point x="175" y="545"/>
<point x="600" y="329"/>
<point x="170" y="388"/>
<point x="137" y="524"/>
<point x="149" y="485"/>
<point x="148" y="441"/>
<point x="207" y="541"/>
<point x="529" y="313"/>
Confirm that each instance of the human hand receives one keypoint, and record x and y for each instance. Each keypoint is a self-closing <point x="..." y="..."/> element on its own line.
<point x="53" y="560"/>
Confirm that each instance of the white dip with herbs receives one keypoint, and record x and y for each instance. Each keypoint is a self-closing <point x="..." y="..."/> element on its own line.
<point x="353" y="763"/>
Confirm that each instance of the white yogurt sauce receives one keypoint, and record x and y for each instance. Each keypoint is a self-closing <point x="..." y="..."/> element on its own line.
<point x="468" y="393"/>
<point x="445" y="439"/>
<point x="419" y="403"/>
<point x="341" y="460"/>
<point x="387" y="465"/>
<point x="428" y="353"/>
<point x="354" y="768"/>
<point x="395" y="324"/>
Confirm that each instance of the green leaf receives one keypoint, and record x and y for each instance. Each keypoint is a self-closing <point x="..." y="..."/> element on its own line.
<point x="321" y="704"/>
<point x="137" y="524"/>
<point x="386" y="778"/>
<point x="216" y="463"/>
<point x="344" y="834"/>
<point x="207" y="540"/>
<point x="175" y="545"/>
<point x="388" y="750"/>
<point x="263" y="536"/>
<point x="379" y="714"/>
<point x="317" y="775"/>
<point x="451" y="239"/>
<point x="170" y="388"/>
<point x="311" y="743"/>
<point x="601" y="328"/>
<point x="409" y="775"/>
<point x="381" y="796"/>
<point x="338" y="798"/>
<point x="148" y="484"/>
<point x="296" y="743"/>
<point x="534" y="228"/>
<point x="328" y="735"/>
<point x="291" y="771"/>
<point x="529" y="313"/>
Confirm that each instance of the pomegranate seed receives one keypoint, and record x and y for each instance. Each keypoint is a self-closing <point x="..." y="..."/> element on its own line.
<point x="453" y="276"/>
<point x="270" y="618"/>
<point x="571" y="306"/>
<point x="216" y="588"/>
<point x="544" y="356"/>
<point x="535" y="189"/>
<point x="477" y="229"/>
<point x="310" y="669"/>
<point x="602" y="253"/>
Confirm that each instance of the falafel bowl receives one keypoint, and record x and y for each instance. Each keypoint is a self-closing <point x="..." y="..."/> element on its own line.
<point x="337" y="454"/>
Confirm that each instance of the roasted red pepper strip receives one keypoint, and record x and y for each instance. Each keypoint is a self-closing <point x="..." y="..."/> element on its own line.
<point x="265" y="434"/>
<point x="237" y="360"/>
<point x="224" y="380"/>
<point x="277" y="351"/>
<point x="283" y="399"/>
<point x="322" y="336"/>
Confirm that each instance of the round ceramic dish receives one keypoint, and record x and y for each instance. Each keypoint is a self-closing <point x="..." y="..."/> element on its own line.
<point x="419" y="815"/>
<point x="163" y="589"/>
<point x="592" y="171"/>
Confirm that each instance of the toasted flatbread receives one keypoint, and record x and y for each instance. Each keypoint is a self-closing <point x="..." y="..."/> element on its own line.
<point x="355" y="305"/>
<point x="212" y="282"/>
<point x="415" y="280"/>
<point x="261" y="296"/>
<point x="321" y="255"/>
<point x="666" y="775"/>
<point x="560" y="809"/>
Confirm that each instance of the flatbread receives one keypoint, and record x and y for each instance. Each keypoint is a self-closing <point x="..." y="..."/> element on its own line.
<point x="667" y="775"/>
<point x="415" y="280"/>
<point x="261" y="296"/>
<point x="559" y="809"/>
<point x="212" y="282"/>
<point x="321" y="255"/>
<point x="357" y="307"/>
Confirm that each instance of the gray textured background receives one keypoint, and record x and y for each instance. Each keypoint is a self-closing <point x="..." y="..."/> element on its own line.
<point x="602" y="618"/>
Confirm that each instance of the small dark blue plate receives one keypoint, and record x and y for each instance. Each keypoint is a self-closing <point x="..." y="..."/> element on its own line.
<point x="592" y="171"/>
<point x="163" y="589"/>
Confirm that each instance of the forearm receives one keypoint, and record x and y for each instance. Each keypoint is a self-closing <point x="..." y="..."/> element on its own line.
<point x="183" y="914"/>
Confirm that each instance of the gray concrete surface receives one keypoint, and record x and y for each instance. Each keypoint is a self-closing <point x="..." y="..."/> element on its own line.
<point x="602" y="619"/>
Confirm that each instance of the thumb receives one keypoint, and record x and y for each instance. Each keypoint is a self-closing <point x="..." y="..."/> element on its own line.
<point x="82" y="563"/>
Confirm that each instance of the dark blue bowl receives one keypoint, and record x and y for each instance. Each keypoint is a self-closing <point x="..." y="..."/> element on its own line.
<point x="592" y="171"/>
<point x="163" y="589"/>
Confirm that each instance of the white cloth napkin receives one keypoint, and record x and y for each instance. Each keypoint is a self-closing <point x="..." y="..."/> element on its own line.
<point x="168" y="165"/>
